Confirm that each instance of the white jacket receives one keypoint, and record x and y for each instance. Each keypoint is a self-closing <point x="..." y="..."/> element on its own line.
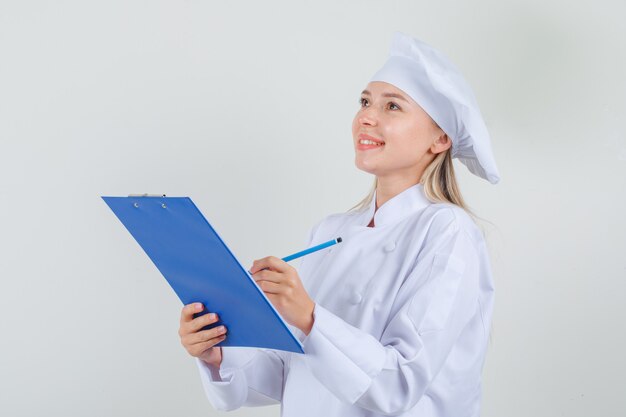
<point x="402" y="320"/>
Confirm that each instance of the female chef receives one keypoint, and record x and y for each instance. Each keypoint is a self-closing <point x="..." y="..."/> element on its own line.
<point x="394" y="320"/>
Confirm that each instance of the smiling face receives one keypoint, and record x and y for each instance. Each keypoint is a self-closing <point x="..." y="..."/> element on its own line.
<point x="407" y="139"/>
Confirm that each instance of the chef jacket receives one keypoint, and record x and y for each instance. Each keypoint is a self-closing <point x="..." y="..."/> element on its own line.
<point x="401" y="320"/>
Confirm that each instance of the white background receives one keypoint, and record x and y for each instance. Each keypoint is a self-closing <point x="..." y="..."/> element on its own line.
<point x="246" y="107"/>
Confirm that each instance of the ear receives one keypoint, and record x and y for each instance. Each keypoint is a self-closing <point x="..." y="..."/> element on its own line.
<point x="441" y="143"/>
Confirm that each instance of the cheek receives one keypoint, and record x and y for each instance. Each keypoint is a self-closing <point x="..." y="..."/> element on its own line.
<point x="409" y="142"/>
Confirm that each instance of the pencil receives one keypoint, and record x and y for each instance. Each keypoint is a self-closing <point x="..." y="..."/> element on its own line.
<point x="313" y="249"/>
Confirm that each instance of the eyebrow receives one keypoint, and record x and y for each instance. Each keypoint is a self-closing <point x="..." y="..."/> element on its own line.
<point x="387" y="95"/>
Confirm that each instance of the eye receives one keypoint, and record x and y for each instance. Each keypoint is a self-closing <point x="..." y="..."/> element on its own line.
<point x="393" y="105"/>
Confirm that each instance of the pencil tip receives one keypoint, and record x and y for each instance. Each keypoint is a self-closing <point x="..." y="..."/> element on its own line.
<point x="339" y="239"/>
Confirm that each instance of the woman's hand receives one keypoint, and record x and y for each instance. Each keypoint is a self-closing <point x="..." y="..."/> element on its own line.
<point x="200" y="344"/>
<point x="282" y="286"/>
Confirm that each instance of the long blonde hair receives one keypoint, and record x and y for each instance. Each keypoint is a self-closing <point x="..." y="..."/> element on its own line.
<point x="440" y="185"/>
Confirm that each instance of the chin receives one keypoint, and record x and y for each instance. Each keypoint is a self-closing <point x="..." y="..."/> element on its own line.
<point x="364" y="168"/>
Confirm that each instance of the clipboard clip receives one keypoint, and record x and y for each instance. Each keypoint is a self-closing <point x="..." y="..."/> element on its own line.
<point x="136" y="205"/>
<point x="146" y="195"/>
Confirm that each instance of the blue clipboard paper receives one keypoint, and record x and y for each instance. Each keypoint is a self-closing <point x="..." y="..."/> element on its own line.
<point x="199" y="267"/>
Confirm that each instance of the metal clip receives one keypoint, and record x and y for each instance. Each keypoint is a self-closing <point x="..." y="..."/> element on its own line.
<point x="146" y="195"/>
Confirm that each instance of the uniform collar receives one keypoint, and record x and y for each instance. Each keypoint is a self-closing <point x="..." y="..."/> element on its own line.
<point x="398" y="207"/>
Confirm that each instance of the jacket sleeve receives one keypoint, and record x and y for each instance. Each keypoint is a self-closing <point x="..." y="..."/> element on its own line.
<point x="246" y="377"/>
<point x="431" y="309"/>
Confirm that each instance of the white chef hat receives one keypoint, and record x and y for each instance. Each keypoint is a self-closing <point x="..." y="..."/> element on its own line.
<point x="430" y="79"/>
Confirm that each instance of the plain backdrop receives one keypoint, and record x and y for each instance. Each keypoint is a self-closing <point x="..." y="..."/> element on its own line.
<point x="246" y="107"/>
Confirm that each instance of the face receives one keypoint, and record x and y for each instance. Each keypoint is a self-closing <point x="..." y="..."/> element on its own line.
<point x="406" y="137"/>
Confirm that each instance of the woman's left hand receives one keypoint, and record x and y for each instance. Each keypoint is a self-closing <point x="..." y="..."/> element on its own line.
<point x="283" y="287"/>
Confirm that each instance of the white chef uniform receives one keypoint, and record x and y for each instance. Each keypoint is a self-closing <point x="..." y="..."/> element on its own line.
<point x="402" y="319"/>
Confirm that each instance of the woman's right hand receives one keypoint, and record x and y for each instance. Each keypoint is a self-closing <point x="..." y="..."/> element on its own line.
<point x="201" y="344"/>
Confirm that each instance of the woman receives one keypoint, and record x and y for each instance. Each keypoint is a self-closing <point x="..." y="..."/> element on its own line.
<point x="395" y="319"/>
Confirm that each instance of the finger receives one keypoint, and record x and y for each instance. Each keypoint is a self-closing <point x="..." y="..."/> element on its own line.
<point x="257" y="265"/>
<point x="269" y="287"/>
<point x="189" y="310"/>
<point x="199" y="348"/>
<point x="271" y="262"/>
<point x="205" y="335"/>
<point x="271" y="276"/>
<point x="204" y="320"/>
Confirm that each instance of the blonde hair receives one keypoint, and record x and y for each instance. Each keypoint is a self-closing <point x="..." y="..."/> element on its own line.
<point x="440" y="185"/>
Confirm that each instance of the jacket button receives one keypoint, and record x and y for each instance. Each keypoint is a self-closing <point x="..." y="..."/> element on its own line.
<point x="355" y="298"/>
<point x="390" y="246"/>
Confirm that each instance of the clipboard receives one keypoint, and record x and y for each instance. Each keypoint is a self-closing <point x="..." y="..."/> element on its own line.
<point x="200" y="267"/>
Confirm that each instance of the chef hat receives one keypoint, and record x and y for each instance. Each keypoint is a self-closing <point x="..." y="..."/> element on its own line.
<point x="430" y="79"/>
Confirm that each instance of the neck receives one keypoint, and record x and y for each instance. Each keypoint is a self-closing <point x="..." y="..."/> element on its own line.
<point x="389" y="187"/>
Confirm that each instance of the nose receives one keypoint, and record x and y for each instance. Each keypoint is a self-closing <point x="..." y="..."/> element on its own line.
<point x="368" y="117"/>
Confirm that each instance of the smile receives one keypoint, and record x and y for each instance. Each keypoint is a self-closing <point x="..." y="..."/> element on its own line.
<point x="370" y="142"/>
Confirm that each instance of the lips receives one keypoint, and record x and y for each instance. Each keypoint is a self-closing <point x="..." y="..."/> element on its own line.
<point x="373" y="144"/>
<point x="364" y="136"/>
